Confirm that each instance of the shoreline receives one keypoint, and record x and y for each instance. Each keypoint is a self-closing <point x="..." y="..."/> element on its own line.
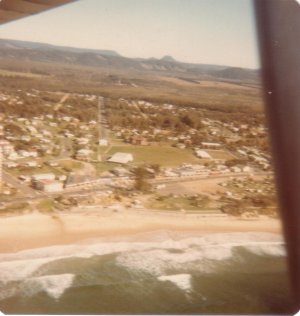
<point x="36" y="230"/>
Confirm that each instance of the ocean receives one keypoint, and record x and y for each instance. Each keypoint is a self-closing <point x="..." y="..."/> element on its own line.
<point x="155" y="273"/>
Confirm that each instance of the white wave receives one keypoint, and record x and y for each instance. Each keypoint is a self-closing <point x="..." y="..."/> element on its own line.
<point x="274" y="249"/>
<point x="153" y="256"/>
<point x="198" y="253"/>
<point x="53" y="285"/>
<point x="20" y="269"/>
<point x="158" y="261"/>
<point x="183" y="281"/>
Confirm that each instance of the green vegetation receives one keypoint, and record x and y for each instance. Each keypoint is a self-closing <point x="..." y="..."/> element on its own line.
<point x="104" y="166"/>
<point x="46" y="206"/>
<point x="179" y="202"/>
<point x="69" y="165"/>
<point x="142" y="180"/>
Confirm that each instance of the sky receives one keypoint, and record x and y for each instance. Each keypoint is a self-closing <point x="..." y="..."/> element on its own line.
<point x="220" y="32"/>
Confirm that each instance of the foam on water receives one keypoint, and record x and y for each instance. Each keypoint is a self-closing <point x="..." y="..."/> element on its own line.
<point x="53" y="285"/>
<point x="199" y="253"/>
<point x="20" y="269"/>
<point x="183" y="281"/>
<point x="271" y="249"/>
<point x="156" y="257"/>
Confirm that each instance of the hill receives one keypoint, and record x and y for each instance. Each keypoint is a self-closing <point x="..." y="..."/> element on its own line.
<point x="11" y="50"/>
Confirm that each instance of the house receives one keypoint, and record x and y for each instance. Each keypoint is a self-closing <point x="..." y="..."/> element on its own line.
<point x="13" y="156"/>
<point x="202" y="154"/>
<point x="121" y="172"/>
<point x="31" y="164"/>
<point x="211" y="145"/>
<point x="139" y="140"/>
<point x="170" y="173"/>
<point x="83" y="154"/>
<point x="24" y="178"/>
<point x="11" y="164"/>
<point x="26" y="154"/>
<point x="82" y="141"/>
<point x="7" y="147"/>
<point x="186" y="172"/>
<point x="62" y="177"/>
<point x="236" y="169"/>
<point x="247" y="169"/>
<point x="48" y="185"/>
<point x="103" y="142"/>
<point x="180" y="145"/>
<point x="43" y="176"/>
<point x="122" y="158"/>
<point x="25" y="138"/>
<point x="66" y="118"/>
<point x="32" y="129"/>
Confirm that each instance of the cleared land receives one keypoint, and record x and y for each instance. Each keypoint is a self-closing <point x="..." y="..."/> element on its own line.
<point x="165" y="156"/>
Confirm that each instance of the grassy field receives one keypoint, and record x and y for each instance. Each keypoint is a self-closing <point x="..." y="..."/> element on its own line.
<point x="104" y="166"/>
<point x="33" y="170"/>
<point x="69" y="164"/>
<point x="165" y="156"/>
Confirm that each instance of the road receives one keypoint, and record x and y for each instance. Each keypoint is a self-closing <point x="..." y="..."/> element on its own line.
<point x="103" y="132"/>
<point x="65" y="147"/>
<point x="61" y="102"/>
<point x="31" y="194"/>
<point x="164" y="180"/>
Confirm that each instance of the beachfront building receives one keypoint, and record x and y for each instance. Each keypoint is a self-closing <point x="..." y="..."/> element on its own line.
<point x="43" y="176"/>
<point x="48" y="185"/>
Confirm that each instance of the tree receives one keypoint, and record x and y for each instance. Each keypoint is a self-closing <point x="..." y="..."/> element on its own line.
<point x="142" y="180"/>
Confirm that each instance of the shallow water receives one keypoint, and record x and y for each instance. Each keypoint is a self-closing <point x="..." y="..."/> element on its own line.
<point x="230" y="273"/>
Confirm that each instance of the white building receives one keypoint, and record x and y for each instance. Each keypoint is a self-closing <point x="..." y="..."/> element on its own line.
<point x="7" y="147"/>
<point x="83" y="154"/>
<point x="43" y="176"/>
<point x="121" y="158"/>
<point x="11" y="164"/>
<point x="103" y="142"/>
<point x="26" y="154"/>
<point x="202" y="154"/>
<point x="31" y="164"/>
<point x="211" y="145"/>
<point x="49" y="185"/>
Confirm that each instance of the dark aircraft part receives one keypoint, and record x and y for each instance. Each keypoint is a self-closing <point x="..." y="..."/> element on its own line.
<point x="278" y="23"/>
<point x="15" y="9"/>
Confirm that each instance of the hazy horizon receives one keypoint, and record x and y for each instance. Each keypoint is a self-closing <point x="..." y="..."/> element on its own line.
<point x="193" y="31"/>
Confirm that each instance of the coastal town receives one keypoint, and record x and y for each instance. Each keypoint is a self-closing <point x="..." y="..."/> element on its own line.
<point x="136" y="171"/>
<point x="75" y="149"/>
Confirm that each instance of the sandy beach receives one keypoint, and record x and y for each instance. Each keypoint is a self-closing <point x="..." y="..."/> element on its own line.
<point x="38" y="230"/>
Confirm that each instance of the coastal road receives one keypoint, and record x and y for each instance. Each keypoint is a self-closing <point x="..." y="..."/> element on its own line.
<point x="164" y="180"/>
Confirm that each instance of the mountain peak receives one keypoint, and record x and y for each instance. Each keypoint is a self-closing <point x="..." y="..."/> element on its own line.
<point x="168" y="58"/>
